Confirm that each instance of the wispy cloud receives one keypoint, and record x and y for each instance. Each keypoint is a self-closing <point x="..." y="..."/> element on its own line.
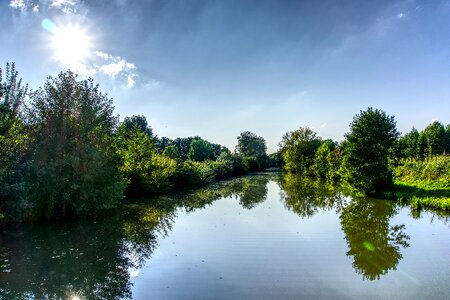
<point x="114" y="66"/>
<point x="65" y="6"/>
<point x="17" y="4"/>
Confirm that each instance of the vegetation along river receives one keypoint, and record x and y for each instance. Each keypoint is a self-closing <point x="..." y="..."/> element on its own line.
<point x="264" y="236"/>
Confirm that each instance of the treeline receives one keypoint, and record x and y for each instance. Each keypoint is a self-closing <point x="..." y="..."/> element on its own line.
<point x="63" y="151"/>
<point x="372" y="156"/>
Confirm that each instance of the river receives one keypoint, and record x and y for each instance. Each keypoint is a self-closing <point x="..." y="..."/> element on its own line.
<point x="264" y="236"/>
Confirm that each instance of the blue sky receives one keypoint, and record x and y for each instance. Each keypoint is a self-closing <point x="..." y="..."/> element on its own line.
<point x="217" y="68"/>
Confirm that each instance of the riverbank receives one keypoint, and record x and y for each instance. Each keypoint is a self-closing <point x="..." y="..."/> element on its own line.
<point x="423" y="183"/>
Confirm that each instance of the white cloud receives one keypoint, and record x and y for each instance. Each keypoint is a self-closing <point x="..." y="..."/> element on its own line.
<point x="66" y="6"/>
<point x="18" y="4"/>
<point x="400" y="15"/>
<point x="36" y="9"/>
<point x="130" y="80"/>
<point x="114" y="66"/>
<point x="323" y="125"/>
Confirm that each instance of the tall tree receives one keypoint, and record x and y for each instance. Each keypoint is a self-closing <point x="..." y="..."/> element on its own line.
<point x="13" y="141"/>
<point x="250" y="144"/>
<point x="434" y="135"/>
<point x="368" y="150"/>
<point x="298" y="149"/>
<point x="201" y="150"/>
<point x="74" y="163"/>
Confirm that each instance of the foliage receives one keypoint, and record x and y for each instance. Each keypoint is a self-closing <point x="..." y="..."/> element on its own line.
<point x="423" y="183"/>
<point x="171" y="151"/>
<point x="13" y="143"/>
<point x="368" y="150"/>
<point x="298" y="150"/>
<point x="139" y="122"/>
<point x="201" y="150"/>
<point x="251" y="145"/>
<point x="321" y="165"/>
<point x="74" y="167"/>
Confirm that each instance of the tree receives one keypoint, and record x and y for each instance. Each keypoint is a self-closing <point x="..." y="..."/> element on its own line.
<point x="368" y="149"/>
<point x="136" y="149"/>
<point x="250" y="144"/>
<point x="184" y="146"/>
<point x="409" y="144"/>
<point x="201" y="150"/>
<point x="321" y="165"/>
<point x="298" y="149"/>
<point x="74" y="166"/>
<point x="13" y="141"/>
<point x="171" y="151"/>
<point x="138" y="121"/>
<point x="434" y="136"/>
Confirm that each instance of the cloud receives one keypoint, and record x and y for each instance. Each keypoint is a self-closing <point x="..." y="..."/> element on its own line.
<point x="18" y="4"/>
<point x="65" y="6"/>
<point x="323" y="125"/>
<point x="116" y="66"/>
<point x="130" y="80"/>
<point x="400" y="15"/>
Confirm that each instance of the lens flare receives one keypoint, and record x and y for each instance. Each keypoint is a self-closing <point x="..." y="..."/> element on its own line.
<point x="71" y="44"/>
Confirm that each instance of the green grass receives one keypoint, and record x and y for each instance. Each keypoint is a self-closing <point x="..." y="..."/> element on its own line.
<point x="423" y="183"/>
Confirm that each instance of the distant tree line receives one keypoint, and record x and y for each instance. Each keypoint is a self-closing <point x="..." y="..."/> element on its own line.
<point x="63" y="152"/>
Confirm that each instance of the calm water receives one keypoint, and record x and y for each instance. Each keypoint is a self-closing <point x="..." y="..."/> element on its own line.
<point x="258" y="237"/>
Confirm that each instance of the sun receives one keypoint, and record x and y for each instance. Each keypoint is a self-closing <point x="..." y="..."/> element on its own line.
<point x="71" y="44"/>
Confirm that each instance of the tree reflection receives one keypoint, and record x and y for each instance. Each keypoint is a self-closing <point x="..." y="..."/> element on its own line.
<point x="92" y="260"/>
<point x="374" y="245"/>
<point x="88" y="260"/>
<point x="305" y="196"/>
<point x="249" y="191"/>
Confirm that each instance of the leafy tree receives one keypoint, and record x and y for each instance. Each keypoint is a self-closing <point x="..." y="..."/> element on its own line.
<point x="13" y="141"/>
<point x="184" y="146"/>
<point x="137" y="121"/>
<point x="201" y="150"/>
<point x="368" y="150"/>
<point x="250" y="144"/>
<point x="434" y="135"/>
<point x="171" y="151"/>
<point x="135" y="147"/>
<point x="298" y="149"/>
<point x="334" y="163"/>
<point x="162" y="143"/>
<point x="409" y="144"/>
<point x="447" y="139"/>
<point x="74" y="166"/>
<point x="321" y="165"/>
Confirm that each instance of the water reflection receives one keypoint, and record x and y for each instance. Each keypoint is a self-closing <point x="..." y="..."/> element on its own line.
<point x="374" y="245"/>
<point x="87" y="260"/>
<point x="306" y="196"/>
<point x="96" y="260"/>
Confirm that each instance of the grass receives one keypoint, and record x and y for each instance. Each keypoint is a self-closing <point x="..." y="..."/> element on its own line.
<point x="423" y="183"/>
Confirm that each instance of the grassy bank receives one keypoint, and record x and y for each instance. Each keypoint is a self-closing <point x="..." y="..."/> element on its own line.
<point x="423" y="183"/>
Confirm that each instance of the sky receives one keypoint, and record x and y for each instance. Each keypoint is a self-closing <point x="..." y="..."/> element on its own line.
<point x="216" y="68"/>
